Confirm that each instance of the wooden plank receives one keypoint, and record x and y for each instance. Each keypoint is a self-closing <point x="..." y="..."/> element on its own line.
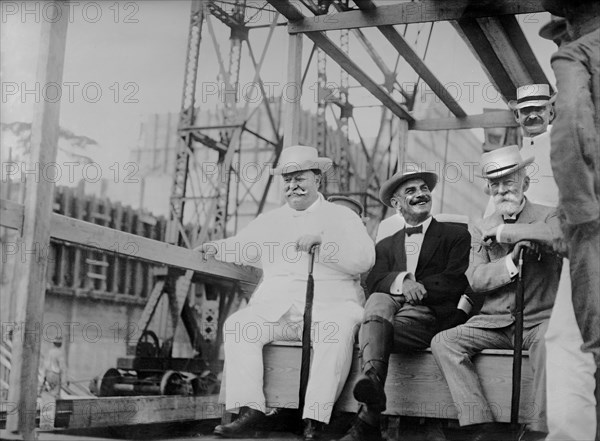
<point x="415" y="386"/>
<point x="505" y="51"/>
<point x="500" y="118"/>
<point x="474" y="37"/>
<point x="126" y="411"/>
<point x="103" y="238"/>
<point x="321" y="40"/>
<point x="291" y="124"/>
<point x="31" y="272"/>
<point x="414" y="12"/>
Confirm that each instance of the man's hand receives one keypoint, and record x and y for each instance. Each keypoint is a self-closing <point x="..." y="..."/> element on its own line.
<point x="306" y="242"/>
<point x="526" y="246"/>
<point x="414" y="292"/>
<point x="207" y="249"/>
<point x="490" y="235"/>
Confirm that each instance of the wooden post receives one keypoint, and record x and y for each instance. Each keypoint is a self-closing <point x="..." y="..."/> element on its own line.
<point x="293" y="91"/>
<point x="402" y="142"/>
<point x="31" y="270"/>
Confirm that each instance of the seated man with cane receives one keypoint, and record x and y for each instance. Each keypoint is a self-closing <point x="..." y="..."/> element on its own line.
<point x="279" y="241"/>
<point x="516" y="227"/>
<point x="415" y="285"/>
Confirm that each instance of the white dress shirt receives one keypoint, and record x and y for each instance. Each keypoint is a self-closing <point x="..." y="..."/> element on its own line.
<point x="412" y="246"/>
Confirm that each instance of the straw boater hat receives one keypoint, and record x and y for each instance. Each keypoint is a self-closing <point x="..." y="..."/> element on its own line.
<point x="357" y="206"/>
<point x="555" y="29"/>
<point x="502" y="162"/>
<point x="389" y="187"/>
<point x="532" y="95"/>
<point x="300" y="157"/>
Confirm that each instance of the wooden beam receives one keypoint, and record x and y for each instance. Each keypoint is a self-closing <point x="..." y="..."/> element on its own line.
<point x="472" y="34"/>
<point x="30" y="273"/>
<point x="321" y="40"/>
<point x="103" y="238"/>
<point x="487" y="120"/>
<point x="505" y="51"/>
<point x="414" y="12"/>
<point x="127" y="411"/>
<point x="526" y="54"/>
<point x="291" y="127"/>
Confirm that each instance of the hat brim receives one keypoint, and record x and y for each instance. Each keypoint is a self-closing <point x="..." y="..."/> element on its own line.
<point x="514" y="105"/>
<point x="506" y="171"/>
<point x="322" y="164"/>
<point x="389" y="187"/>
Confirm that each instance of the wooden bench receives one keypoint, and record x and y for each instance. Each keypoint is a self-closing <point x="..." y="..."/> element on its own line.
<point x="414" y="387"/>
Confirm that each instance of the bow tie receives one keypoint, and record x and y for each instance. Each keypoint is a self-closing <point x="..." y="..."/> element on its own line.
<point x="414" y="230"/>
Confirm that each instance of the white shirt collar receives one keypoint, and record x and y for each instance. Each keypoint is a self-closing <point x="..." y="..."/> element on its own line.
<point x="425" y="224"/>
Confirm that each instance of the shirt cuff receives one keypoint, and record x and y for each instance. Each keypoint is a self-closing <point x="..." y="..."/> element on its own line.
<point x="499" y="233"/>
<point x="511" y="267"/>
<point x="396" y="287"/>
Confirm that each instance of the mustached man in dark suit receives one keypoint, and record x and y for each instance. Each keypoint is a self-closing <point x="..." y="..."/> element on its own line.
<point x="415" y="285"/>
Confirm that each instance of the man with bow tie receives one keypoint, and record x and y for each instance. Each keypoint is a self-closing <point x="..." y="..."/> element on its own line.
<point x="279" y="241"/>
<point x="517" y="224"/>
<point x="414" y="286"/>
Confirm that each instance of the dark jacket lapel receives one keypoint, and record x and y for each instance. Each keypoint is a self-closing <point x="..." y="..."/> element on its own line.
<point x="399" y="251"/>
<point x="430" y="243"/>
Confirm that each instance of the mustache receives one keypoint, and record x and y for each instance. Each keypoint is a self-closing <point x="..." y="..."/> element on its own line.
<point x="534" y="119"/>
<point x="420" y="199"/>
<point x="296" y="190"/>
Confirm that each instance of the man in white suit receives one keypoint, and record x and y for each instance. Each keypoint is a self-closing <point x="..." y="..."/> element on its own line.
<point x="280" y="241"/>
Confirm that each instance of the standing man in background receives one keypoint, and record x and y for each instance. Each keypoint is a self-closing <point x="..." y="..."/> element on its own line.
<point x="55" y="368"/>
<point x="575" y="156"/>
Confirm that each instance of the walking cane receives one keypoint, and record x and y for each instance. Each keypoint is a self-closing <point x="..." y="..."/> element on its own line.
<point x="305" y="365"/>
<point x="518" y="343"/>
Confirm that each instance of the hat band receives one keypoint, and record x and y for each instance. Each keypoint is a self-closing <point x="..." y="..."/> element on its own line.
<point x="501" y="169"/>
<point x="533" y="98"/>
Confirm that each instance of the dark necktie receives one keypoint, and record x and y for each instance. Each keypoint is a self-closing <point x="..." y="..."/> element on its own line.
<point x="414" y="230"/>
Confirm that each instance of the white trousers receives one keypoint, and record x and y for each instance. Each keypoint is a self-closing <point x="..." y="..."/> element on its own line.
<point x="247" y="331"/>
<point x="569" y="372"/>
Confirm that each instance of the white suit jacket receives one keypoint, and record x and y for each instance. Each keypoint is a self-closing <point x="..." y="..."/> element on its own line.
<point x="269" y="241"/>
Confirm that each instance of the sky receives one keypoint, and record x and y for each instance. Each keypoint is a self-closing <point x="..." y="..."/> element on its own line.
<point x="125" y="60"/>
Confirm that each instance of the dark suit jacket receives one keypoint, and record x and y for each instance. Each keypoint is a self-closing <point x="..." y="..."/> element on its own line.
<point x="443" y="260"/>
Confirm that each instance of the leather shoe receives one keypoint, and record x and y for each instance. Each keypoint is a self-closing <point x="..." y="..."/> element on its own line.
<point x="361" y="431"/>
<point x="532" y="435"/>
<point x="240" y="427"/>
<point x="311" y="429"/>
<point x="433" y="430"/>
<point x="489" y="432"/>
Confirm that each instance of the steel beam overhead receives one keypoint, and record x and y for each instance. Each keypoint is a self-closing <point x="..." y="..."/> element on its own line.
<point x="321" y="40"/>
<point x="414" y="12"/>
<point x="413" y="59"/>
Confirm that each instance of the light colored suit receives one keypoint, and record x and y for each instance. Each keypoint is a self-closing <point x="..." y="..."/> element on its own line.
<point x="275" y="310"/>
<point x="493" y="327"/>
